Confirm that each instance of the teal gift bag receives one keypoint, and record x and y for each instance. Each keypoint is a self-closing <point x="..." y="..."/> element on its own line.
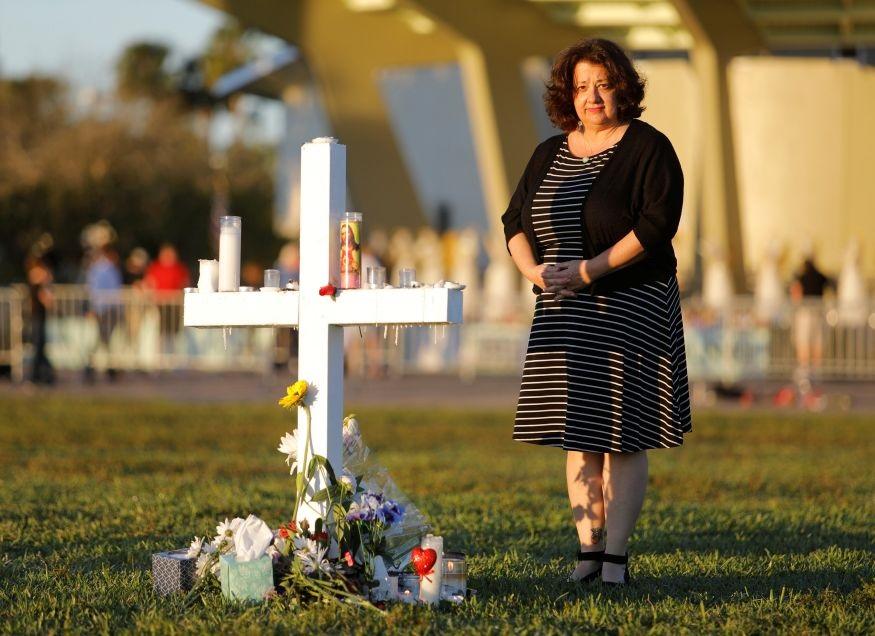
<point x="246" y="580"/>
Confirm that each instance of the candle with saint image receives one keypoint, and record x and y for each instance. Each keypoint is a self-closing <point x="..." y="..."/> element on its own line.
<point x="430" y="584"/>
<point x="351" y="251"/>
<point x="230" y="230"/>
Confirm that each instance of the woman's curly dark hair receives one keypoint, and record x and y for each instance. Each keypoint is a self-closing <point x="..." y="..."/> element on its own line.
<point x="559" y="96"/>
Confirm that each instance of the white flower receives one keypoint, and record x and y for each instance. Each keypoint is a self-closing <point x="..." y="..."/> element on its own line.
<point x="289" y="447"/>
<point x="195" y="548"/>
<point x="312" y="557"/>
<point x="300" y="543"/>
<point x="348" y="479"/>
<point x="225" y="532"/>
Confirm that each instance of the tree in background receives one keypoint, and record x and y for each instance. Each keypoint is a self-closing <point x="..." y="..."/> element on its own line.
<point x="145" y="168"/>
<point x="140" y="72"/>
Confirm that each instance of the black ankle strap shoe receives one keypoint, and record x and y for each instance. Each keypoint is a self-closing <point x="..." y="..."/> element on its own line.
<point x="590" y="556"/>
<point x="621" y="560"/>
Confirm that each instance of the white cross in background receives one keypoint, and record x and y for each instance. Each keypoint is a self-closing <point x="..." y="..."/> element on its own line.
<point x="320" y="319"/>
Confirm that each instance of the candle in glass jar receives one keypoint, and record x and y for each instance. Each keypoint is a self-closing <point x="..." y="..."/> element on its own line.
<point x="208" y="280"/>
<point x="351" y="251"/>
<point x="230" y="231"/>
<point x="430" y="584"/>
<point x="408" y="588"/>
<point x="454" y="583"/>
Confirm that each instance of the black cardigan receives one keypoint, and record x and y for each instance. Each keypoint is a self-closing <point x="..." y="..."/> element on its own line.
<point x="641" y="189"/>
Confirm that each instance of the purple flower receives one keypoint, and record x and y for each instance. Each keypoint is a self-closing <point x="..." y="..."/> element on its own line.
<point x="373" y="507"/>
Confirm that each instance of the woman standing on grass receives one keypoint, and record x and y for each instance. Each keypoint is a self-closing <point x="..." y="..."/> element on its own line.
<point x="590" y="225"/>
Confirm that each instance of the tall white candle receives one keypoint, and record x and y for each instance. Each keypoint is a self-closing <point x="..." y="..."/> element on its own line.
<point x="430" y="585"/>
<point x="230" y="231"/>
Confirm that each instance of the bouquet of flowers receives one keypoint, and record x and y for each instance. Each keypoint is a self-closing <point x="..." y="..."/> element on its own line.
<point x="404" y="534"/>
<point x="337" y="556"/>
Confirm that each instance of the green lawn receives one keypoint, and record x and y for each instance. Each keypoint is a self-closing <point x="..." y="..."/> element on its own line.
<point x="758" y="524"/>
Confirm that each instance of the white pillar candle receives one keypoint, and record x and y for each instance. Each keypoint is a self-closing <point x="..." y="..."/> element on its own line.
<point x="430" y="585"/>
<point x="230" y="230"/>
<point x="208" y="281"/>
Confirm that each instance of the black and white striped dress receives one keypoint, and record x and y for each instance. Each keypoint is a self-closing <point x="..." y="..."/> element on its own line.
<point x="603" y="373"/>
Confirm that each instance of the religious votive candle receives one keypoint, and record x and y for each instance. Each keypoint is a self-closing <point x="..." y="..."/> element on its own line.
<point x="430" y="584"/>
<point x="376" y="277"/>
<point x="230" y="232"/>
<point x="208" y="280"/>
<point x="271" y="279"/>
<point x="408" y="588"/>
<point x="406" y="277"/>
<point x="351" y="250"/>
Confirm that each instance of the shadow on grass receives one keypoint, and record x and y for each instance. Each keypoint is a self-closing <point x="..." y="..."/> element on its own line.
<point x="729" y="533"/>
<point x="551" y="591"/>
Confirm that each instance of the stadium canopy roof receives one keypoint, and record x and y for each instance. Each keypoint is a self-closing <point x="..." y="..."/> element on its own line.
<point x="781" y="24"/>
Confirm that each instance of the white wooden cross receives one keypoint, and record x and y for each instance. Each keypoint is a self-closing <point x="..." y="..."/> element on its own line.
<point x="320" y="319"/>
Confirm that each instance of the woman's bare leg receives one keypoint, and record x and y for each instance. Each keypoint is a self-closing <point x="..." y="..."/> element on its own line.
<point x="625" y="479"/>
<point x="583" y="472"/>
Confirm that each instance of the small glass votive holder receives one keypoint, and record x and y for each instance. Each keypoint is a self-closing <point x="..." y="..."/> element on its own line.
<point x="408" y="588"/>
<point x="271" y="279"/>
<point x="454" y="583"/>
<point x="406" y="276"/>
<point x="376" y="277"/>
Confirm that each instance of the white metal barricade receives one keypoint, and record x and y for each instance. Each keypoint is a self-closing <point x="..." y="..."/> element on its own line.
<point x="12" y="331"/>
<point x="133" y="329"/>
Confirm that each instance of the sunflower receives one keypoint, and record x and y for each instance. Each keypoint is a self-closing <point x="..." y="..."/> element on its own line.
<point x="295" y="394"/>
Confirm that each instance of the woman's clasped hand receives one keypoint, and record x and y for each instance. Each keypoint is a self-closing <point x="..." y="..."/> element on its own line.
<point x="565" y="278"/>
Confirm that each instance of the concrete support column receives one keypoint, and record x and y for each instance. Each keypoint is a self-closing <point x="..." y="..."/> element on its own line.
<point x="501" y="124"/>
<point x="719" y="218"/>
<point x="720" y="30"/>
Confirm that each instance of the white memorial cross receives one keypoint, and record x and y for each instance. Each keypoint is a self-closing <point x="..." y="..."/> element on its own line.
<point x="320" y="319"/>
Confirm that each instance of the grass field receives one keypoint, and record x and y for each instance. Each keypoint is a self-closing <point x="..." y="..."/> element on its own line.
<point x="758" y="524"/>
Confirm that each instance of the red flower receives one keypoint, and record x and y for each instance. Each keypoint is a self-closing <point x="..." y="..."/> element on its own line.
<point x="328" y="290"/>
<point x="321" y="536"/>
<point x="288" y="530"/>
<point x="347" y="556"/>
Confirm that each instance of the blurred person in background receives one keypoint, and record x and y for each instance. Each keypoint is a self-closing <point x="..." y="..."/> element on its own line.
<point x="166" y="276"/>
<point x="104" y="280"/>
<point x="135" y="267"/>
<point x="806" y="292"/>
<point x="39" y="280"/>
<point x="134" y="275"/>
<point x="288" y="262"/>
<point x="252" y="274"/>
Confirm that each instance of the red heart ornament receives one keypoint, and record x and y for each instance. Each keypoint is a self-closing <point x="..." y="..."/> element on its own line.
<point x="423" y="560"/>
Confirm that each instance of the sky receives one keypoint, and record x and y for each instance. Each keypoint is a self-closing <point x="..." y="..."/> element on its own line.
<point x="81" y="39"/>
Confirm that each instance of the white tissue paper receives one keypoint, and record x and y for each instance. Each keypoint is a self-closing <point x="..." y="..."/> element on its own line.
<point x="252" y="539"/>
